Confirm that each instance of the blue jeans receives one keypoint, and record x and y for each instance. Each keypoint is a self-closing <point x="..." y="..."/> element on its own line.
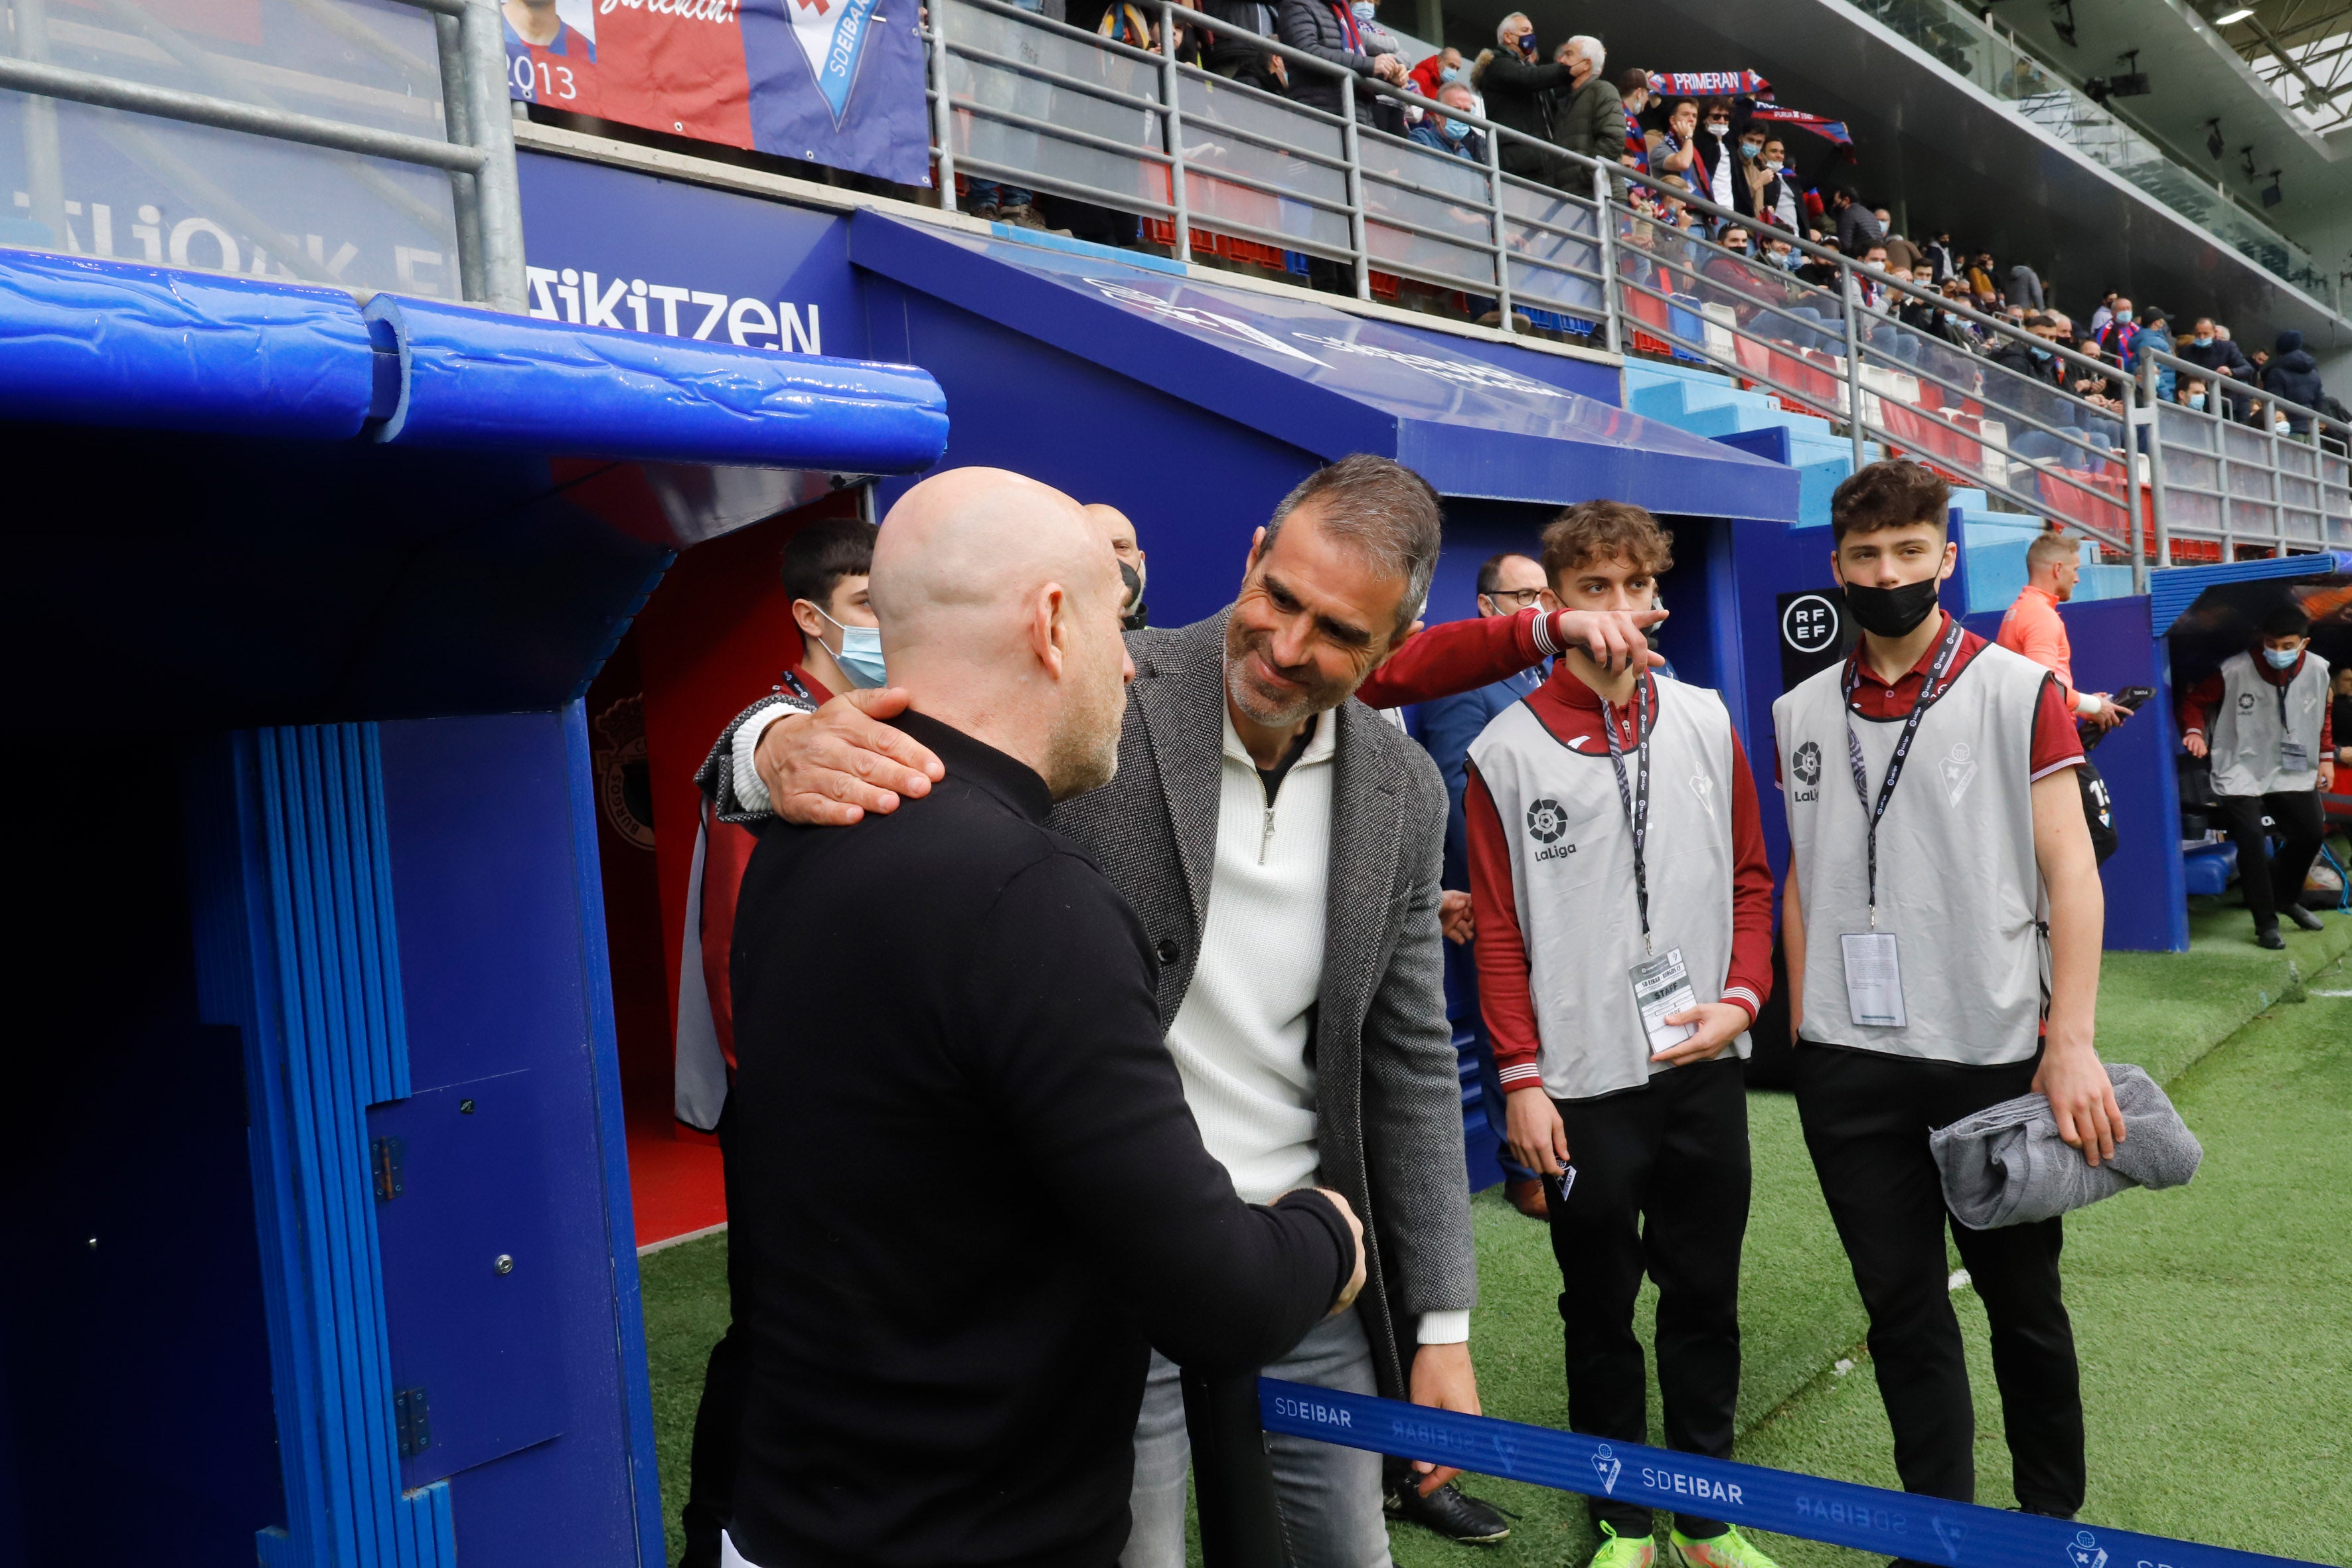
<point x="1001" y="89"/>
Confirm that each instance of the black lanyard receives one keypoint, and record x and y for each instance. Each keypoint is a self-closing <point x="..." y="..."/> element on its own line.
<point x="1929" y="692"/>
<point x="1635" y="797"/>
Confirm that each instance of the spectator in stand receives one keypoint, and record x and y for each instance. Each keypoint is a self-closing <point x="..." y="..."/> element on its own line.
<point x="1673" y="149"/>
<point x="1909" y="309"/>
<point x="1507" y="583"/>
<point x="2104" y="314"/>
<point x="1234" y="57"/>
<point x="1857" y="227"/>
<point x="2208" y="347"/>
<point x="2024" y="286"/>
<point x="2294" y="375"/>
<point x="2263" y="720"/>
<point x="2190" y="394"/>
<point x="1714" y="173"/>
<point x="2103" y="420"/>
<point x="1792" y="319"/>
<point x="1591" y="116"/>
<point x="1902" y="254"/>
<point x="988" y="200"/>
<point x="1940" y="265"/>
<point x="1436" y="71"/>
<point x="2114" y="339"/>
<point x="1982" y="291"/>
<point x="2155" y="336"/>
<point x="1785" y="209"/>
<point x="1448" y="135"/>
<point x="2033" y="391"/>
<point x="1751" y="190"/>
<point x="1954" y="326"/>
<point x="1516" y="82"/>
<point x="1634" y="91"/>
<point x="1328" y="30"/>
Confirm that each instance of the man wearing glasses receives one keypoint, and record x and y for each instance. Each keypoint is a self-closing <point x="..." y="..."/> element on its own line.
<point x="1507" y="583"/>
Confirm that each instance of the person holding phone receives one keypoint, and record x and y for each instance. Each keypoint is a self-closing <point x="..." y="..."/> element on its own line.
<point x="2033" y="628"/>
<point x="1624" y="913"/>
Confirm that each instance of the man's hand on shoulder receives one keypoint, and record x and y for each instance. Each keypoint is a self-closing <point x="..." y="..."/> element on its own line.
<point x="1443" y="1379"/>
<point x="829" y="768"/>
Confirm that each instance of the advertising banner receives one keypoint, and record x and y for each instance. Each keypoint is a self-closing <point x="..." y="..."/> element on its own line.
<point x="837" y="83"/>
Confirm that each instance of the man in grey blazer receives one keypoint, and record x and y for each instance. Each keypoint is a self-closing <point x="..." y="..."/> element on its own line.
<point x="1282" y="846"/>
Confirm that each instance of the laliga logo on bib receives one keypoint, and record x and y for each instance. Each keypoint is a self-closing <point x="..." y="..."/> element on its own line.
<point x="1546" y="821"/>
<point x="1959" y="771"/>
<point x="1808" y="766"/>
<point x="832" y="33"/>
<point x="1704" y="787"/>
<point x="1609" y="1467"/>
<point x="2087" y="1551"/>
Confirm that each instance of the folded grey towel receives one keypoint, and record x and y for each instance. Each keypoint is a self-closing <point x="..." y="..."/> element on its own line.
<point x="2007" y="1166"/>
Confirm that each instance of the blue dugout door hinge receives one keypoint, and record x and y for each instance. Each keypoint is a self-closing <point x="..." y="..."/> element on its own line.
<point x="296" y="947"/>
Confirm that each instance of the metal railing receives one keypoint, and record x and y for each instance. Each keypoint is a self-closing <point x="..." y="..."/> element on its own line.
<point x="92" y="170"/>
<point x="1621" y="257"/>
<point x="2251" y="467"/>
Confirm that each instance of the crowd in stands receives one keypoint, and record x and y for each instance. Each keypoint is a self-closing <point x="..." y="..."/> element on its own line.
<point x="1567" y="101"/>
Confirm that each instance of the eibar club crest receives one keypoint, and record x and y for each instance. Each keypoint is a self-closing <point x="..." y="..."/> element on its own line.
<point x="1608" y="1466"/>
<point x="2085" y="1552"/>
<point x="832" y="33"/>
<point x="1959" y="771"/>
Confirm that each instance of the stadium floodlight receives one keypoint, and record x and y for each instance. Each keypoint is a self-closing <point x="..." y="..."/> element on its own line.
<point x="2246" y="157"/>
<point x="2213" y="143"/>
<point x="2272" y="195"/>
<point x="2061" y="20"/>
<point x="2132" y="83"/>
<point x="2234" y="15"/>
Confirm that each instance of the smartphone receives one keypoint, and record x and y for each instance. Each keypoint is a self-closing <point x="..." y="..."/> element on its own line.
<point x="2134" y="696"/>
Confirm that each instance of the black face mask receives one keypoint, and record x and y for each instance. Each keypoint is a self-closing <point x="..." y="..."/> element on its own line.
<point x="1134" y="617"/>
<point x="1891" y="612"/>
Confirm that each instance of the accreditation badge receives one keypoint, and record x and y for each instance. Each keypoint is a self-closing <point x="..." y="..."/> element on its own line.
<point x="1661" y="988"/>
<point x="1874" y="979"/>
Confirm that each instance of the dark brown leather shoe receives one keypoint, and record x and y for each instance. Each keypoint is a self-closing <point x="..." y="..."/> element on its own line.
<point x="1526" y="1196"/>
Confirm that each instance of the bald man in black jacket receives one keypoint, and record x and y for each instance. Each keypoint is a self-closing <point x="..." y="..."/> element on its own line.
<point x="950" y="1373"/>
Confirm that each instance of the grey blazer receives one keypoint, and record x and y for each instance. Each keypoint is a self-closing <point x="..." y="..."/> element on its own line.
<point x="1389" y="1120"/>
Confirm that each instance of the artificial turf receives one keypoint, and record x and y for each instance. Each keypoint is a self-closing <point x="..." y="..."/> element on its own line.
<point x="2214" y="1322"/>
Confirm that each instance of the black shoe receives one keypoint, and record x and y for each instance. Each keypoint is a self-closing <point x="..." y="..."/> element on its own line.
<point x="1449" y="1511"/>
<point x="2268" y="936"/>
<point x="2304" y="918"/>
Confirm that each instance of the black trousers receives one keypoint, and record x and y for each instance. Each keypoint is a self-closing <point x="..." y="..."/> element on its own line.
<point x="2299" y="817"/>
<point x="726" y="1385"/>
<point x="1662" y="1185"/>
<point x="1866" y="1118"/>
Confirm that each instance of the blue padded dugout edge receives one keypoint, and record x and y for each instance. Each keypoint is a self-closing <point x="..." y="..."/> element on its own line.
<point x="115" y="343"/>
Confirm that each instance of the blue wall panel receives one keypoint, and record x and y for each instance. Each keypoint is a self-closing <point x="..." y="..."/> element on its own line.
<point x="491" y="928"/>
<point x="1196" y="485"/>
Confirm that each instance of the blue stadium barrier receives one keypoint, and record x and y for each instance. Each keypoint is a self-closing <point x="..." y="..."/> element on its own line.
<point x="1870" y="1519"/>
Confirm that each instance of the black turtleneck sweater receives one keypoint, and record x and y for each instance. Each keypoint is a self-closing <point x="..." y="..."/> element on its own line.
<point x="967" y="1193"/>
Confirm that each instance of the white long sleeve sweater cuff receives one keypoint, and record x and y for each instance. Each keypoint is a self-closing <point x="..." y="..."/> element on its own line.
<point x="1445" y="1328"/>
<point x="750" y="793"/>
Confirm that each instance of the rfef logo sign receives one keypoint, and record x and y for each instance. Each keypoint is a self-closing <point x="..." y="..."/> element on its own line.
<point x="1815" y="633"/>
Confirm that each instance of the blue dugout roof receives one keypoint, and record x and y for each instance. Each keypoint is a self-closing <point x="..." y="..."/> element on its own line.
<point x="1326" y="381"/>
<point x="296" y="510"/>
<point x="116" y="343"/>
